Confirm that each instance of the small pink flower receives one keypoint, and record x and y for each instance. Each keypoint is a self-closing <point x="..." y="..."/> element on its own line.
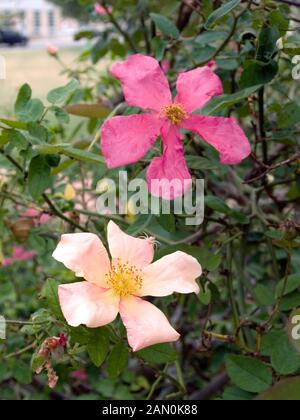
<point x="100" y="10"/>
<point x="19" y="254"/>
<point x="127" y="139"/>
<point x="117" y="286"/>
<point x="52" y="50"/>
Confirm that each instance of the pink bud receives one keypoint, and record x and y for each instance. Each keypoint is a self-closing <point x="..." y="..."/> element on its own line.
<point x="52" y="50"/>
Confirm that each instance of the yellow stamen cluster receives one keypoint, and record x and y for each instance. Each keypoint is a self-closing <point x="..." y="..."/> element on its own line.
<point x="124" y="279"/>
<point x="175" y="113"/>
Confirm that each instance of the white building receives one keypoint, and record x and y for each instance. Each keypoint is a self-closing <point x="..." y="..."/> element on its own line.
<point x="37" y="18"/>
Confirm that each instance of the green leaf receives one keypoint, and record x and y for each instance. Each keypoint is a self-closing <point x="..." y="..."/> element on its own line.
<point x="168" y="222"/>
<point x="268" y="38"/>
<point x="98" y="345"/>
<point x="37" y="131"/>
<point x="277" y="19"/>
<point x="80" y="334"/>
<point x="248" y="374"/>
<point x="14" y="124"/>
<point x="167" y="27"/>
<point x="61" y="94"/>
<point x="264" y="295"/>
<point x="285" y="390"/>
<point x="275" y="235"/>
<point x="158" y="354"/>
<point x="117" y="360"/>
<point x="23" y="98"/>
<point x="201" y="163"/>
<point x="50" y="293"/>
<point x="205" y="295"/>
<point x="284" y="358"/>
<point x="290" y="301"/>
<point x="217" y="204"/>
<point x="28" y="109"/>
<point x="22" y="372"/>
<point x="236" y="394"/>
<point x="221" y="12"/>
<point x="61" y="115"/>
<point x="78" y="154"/>
<point x="289" y="115"/>
<point x="210" y="37"/>
<point x="293" y="283"/>
<point x="17" y="140"/>
<point x="88" y="110"/>
<point x="39" y="176"/>
<point x="257" y="73"/>
<point x="224" y="102"/>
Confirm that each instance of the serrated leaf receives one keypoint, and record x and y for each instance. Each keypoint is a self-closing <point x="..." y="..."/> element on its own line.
<point x="39" y="176"/>
<point x="50" y="293"/>
<point x="221" y="12"/>
<point x="293" y="283"/>
<point x="61" y="94"/>
<point x="98" y="345"/>
<point x="257" y="73"/>
<point x="248" y="373"/>
<point x="160" y="353"/>
<point x="268" y="38"/>
<point x="166" y="26"/>
<point x="78" y="154"/>
<point x="117" y="360"/>
<point x="22" y="372"/>
<point x="223" y="102"/>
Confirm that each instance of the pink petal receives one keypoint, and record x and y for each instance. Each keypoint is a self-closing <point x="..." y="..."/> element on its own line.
<point x="170" y="168"/>
<point x="126" y="140"/>
<point x="197" y="87"/>
<point x="224" y="134"/>
<point x="134" y="251"/>
<point x="88" y="304"/>
<point x="143" y="81"/>
<point x="174" y="273"/>
<point x="146" y="325"/>
<point x="84" y="254"/>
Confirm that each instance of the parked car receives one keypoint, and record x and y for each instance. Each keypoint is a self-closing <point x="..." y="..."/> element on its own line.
<point x="11" y="38"/>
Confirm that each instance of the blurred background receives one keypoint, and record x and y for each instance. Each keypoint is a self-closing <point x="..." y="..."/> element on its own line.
<point x="27" y="29"/>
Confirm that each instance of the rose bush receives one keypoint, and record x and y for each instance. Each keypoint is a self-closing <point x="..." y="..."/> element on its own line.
<point x="227" y="286"/>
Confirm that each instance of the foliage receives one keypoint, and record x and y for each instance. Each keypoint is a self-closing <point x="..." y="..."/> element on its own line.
<point x="236" y="331"/>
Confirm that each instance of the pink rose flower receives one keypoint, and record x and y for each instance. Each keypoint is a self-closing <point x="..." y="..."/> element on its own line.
<point x="117" y="286"/>
<point x="127" y="139"/>
<point x="100" y="10"/>
<point x="19" y="254"/>
<point x="52" y="50"/>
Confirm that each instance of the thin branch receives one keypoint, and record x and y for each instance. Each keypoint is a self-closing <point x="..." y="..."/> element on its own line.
<point x="119" y="28"/>
<point x="60" y="214"/>
<point x="273" y="167"/>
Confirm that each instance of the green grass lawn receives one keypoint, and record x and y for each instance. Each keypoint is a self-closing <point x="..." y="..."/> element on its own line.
<point x="35" y="67"/>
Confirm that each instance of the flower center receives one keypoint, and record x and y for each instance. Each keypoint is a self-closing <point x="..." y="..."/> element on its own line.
<point x="124" y="279"/>
<point x="175" y="113"/>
